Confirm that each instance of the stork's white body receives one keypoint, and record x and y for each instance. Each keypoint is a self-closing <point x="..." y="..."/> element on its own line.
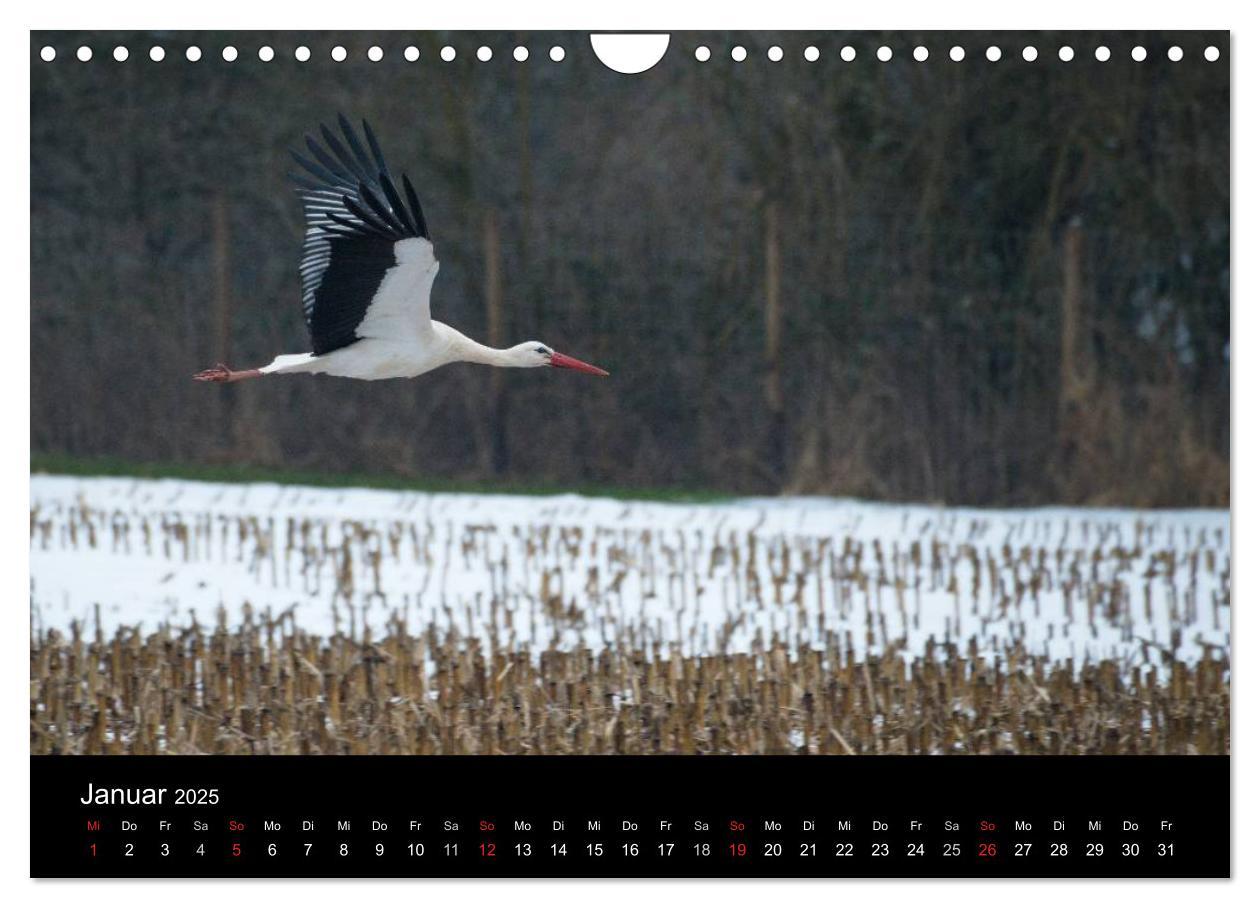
<point x="377" y="358"/>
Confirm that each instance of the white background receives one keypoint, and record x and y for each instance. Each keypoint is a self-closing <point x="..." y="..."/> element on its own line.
<point x="655" y="15"/>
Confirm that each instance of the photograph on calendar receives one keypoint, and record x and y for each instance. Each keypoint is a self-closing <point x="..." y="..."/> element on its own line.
<point x="800" y="394"/>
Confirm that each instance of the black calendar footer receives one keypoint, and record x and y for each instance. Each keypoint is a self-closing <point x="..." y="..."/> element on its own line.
<point x="658" y="816"/>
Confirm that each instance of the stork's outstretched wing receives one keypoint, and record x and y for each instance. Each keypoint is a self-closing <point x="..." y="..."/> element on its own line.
<point x="367" y="261"/>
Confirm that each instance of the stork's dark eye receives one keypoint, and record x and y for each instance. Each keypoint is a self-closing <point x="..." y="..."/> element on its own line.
<point x="542" y="350"/>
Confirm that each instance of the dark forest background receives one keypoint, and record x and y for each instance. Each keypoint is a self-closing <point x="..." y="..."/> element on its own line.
<point x="965" y="282"/>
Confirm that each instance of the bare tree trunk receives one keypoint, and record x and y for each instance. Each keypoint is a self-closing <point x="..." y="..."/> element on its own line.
<point x="1074" y="369"/>
<point x="1075" y="435"/>
<point x="525" y="169"/>
<point x="221" y="240"/>
<point x="495" y="337"/>
<point x="774" y="349"/>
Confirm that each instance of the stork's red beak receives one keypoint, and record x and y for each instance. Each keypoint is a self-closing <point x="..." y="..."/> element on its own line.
<point x="560" y="361"/>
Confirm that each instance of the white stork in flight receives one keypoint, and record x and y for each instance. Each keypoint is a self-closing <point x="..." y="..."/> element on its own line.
<point x="367" y="269"/>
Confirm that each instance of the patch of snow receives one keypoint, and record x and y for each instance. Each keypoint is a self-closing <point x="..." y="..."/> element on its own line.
<point x="572" y="571"/>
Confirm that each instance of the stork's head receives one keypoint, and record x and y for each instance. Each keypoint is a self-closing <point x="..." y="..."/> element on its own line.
<point x="535" y="353"/>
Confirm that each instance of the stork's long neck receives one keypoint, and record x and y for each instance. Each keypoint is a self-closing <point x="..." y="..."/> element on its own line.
<point x="467" y="350"/>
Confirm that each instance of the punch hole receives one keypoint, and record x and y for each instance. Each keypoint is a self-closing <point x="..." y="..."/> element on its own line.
<point x="848" y="54"/>
<point x="812" y="54"/>
<point x="266" y="53"/>
<point x="703" y="54"/>
<point x="775" y="54"/>
<point x="1212" y="54"/>
<point x="121" y="54"/>
<point x="884" y="54"/>
<point x="375" y="54"/>
<point x="448" y="53"/>
<point x="193" y="54"/>
<point x="1103" y="54"/>
<point x="1175" y="54"/>
<point x="1066" y="54"/>
<point x="411" y="53"/>
<point x="1139" y="54"/>
<point x="302" y="53"/>
<point x="84" y="53"/>
<point x="957" y="54"/>
<point x="921" y="53"/>
<point x="738" y="54"/>
<point x="557" y="54"/>
<point x="520" y="54"/>
<point x="993" y="54"/>
<point x="629" y="54"/>
<point x="484" y="54"/>
<point x="229" y="53"/>
<point x="1030" y="54"/>
<point x="339" y="54"/>
<point x="47" y="54"/>
<point x="157" y="54"/>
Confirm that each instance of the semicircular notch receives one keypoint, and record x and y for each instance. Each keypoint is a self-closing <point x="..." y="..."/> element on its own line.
<point x="629" y="54"/>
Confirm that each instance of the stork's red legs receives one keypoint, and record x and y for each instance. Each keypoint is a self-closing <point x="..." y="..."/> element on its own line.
<point x="222" y="373"/>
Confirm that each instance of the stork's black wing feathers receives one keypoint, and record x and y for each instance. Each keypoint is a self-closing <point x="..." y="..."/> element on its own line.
<point x="354" y="217"/>
<point x="324" y="178"/>
<point x="391" y="196"/>
<point x="355" y="269"/>
<point x="347" y="227"/>
<point x="388" y="218"/>
<point x="381" y="167"/>
<point x="302" y="182"/>
<point x="372" y="223"/>
<point x="331" y="165"/>
<point x="353" y="140"/>
<point x="348" y="164"/>
<point x="414" y="202"/>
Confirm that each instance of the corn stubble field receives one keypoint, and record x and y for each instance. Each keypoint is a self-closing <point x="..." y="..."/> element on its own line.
<point x="179" y="617"/>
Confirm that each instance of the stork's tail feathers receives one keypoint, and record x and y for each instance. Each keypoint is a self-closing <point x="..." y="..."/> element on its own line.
<point x="292" y="362"/>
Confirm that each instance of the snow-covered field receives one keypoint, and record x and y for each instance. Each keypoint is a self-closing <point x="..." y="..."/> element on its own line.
<point x="569" y="571"/>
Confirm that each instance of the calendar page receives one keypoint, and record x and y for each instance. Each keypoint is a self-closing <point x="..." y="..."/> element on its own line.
<point x="688" y="454"/>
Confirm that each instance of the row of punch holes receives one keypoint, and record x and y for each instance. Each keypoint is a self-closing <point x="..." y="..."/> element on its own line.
<point x="703" y="54"/>
<point x="302" y="53"/>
